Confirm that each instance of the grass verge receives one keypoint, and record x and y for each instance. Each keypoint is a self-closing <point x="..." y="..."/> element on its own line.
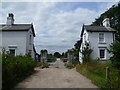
<point x="95" y="71"/>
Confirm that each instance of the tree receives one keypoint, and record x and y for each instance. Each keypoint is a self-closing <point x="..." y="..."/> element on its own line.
<point x="57" y="54"/>
<point x="86" y="51"/>
<point x="115" y="50"/>
<point x="63" y="54"/>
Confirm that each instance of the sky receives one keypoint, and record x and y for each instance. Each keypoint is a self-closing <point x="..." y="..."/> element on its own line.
<point x="57" y="25"/>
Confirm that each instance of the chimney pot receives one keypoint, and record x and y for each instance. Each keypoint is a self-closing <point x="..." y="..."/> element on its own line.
<point x="10" y="19"/>
<point x="106" y="22"/>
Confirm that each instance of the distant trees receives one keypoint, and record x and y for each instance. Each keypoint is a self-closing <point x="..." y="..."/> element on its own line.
<point x="57" y="54"/>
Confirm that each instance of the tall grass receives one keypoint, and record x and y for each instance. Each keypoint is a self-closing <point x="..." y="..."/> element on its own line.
<point x="95" y="71"/>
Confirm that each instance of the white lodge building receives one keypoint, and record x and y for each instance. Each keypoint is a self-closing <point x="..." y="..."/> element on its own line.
<point x="99" y="39"/>
<point x="17" y="38"/>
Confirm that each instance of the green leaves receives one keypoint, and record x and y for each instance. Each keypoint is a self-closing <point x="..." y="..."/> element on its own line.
<point x="115" y="50"/>
<point x="15" y="68"/>
<point x="86" y="51"/>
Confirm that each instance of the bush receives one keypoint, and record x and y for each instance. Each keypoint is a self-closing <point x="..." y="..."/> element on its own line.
<point x="15" y="69"/>
<point x="69" y="65"/>
<point x="115" y="58"/>
<point x="45" y="65"/>
<point x="39" y="64"/>
<point x="86" y="51"/>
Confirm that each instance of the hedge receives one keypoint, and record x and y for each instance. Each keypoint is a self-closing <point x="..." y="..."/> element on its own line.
<point x="15" y="69"/>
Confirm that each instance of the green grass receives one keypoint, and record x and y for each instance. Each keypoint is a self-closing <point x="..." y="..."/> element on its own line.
<point x="95" y="71"/>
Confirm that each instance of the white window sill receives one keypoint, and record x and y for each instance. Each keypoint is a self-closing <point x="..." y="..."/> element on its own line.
<point x="102" y="42"/>
<point x="103" y="59"/>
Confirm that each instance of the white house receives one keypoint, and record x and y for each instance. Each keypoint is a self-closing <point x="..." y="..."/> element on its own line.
<point x="17" y="39"/>
<point x="99" y="39"/>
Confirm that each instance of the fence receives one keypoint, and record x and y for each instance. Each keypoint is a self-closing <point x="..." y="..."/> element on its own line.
<point x="113" y="77"/>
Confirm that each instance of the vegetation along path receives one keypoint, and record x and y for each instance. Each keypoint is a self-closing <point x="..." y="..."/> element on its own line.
<point x="56" y="76"/>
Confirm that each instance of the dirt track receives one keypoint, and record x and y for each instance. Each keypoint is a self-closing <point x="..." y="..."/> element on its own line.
<point x="57" y="76"/>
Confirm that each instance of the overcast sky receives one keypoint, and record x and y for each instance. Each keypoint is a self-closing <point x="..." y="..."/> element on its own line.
<point x="57" y="24"/>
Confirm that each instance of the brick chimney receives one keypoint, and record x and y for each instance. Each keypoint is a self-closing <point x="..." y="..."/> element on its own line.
<point x="106" y="22"/>
<point x="10" y="19"/>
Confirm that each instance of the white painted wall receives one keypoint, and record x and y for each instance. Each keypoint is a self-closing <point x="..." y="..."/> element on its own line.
<point x="29" y="43"/>
<point x="21" y="39"/>
<point x="95" y="45"/>
<point x="93" y="39"/>
<point x="15" y="38"/>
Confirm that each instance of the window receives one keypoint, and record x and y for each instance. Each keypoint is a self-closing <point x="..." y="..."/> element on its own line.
<point x="30" y="40"/>
<point x="12" y="52"/>
<point x="102" y="53"/>
<point x="101" y="37"/>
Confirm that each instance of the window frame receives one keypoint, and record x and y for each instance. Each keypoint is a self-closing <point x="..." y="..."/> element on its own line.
<point x="103" y="37"/>
<point x="12" y="49"/>
<point x="104" y="53"/>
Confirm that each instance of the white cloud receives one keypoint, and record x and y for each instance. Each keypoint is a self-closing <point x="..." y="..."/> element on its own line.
<point x="56" y="29"/>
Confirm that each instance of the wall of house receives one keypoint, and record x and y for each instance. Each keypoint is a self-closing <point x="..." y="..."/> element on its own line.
<point x="29" y="43"/>
<point x="15" y="38"/>
<point x="95" y="45"/>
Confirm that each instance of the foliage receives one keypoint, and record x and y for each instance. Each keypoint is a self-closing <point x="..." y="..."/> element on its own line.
<point x="57" y="54"/>
<point x="51" y="58"/>
<point x="39" y="64"/>
<point x="115" y="58"/>
<point x="69" y="65"/>
<point x="114" y="14"/>
<point x="95" y="71"/>
<point x="65" y="55"/>
<point x="45" y="65"/>
<point x="15" y="68"/>
<point x="86" y="51"/>
<point x="76" y="54"/>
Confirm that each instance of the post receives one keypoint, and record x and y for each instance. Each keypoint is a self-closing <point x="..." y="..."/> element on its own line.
<point x="107" y="73"/>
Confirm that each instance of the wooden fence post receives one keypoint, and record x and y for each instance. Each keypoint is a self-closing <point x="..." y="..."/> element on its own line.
<point x="107" y="73"/>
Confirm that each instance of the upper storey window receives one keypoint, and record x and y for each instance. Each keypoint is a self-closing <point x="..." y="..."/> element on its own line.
<point x="101" y="37"/>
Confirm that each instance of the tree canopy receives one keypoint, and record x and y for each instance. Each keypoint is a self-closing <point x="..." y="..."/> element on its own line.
<point x="57" y="54"/>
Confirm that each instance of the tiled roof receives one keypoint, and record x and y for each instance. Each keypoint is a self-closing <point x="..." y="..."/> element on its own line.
<point x="99" y="28"/>
<point x="17" y="27"/>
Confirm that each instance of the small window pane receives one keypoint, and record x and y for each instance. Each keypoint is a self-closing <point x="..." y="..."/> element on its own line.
<point x="12" y="52"/>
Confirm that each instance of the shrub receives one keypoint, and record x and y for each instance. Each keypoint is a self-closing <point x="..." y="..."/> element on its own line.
<point x="15" y="68"/>
<point x="86" y="51"/>
<point x="39" y="64"/>
<point x="69" y="65"/>
<point x="115" y="50"/>
<point x="45" y="65"/>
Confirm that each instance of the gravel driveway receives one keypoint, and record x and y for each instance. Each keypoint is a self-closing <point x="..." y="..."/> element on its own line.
<point x="57" y="76"/>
